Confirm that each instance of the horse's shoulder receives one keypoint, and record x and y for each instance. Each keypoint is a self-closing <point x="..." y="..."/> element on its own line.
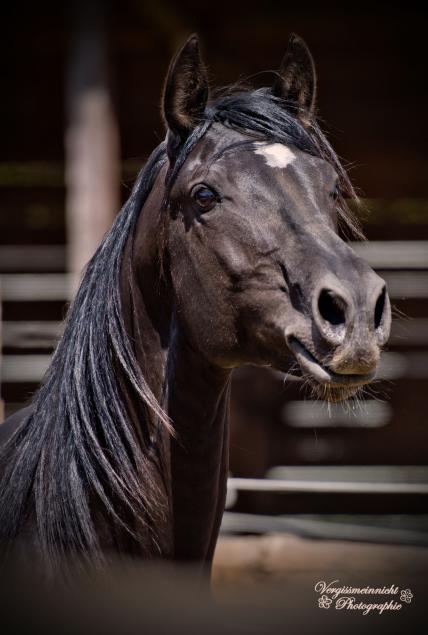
<point x="9" y="425"/>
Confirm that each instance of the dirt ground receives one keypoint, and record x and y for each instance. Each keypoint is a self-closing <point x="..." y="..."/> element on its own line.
<point x="288" y="574"/>
<point x="247" y="560"/>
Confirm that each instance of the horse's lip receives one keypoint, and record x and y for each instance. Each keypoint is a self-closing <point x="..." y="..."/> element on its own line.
<point x="319" y="371"/>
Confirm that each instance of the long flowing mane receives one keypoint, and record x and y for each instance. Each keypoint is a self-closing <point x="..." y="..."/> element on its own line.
<point x="78" y="447"/>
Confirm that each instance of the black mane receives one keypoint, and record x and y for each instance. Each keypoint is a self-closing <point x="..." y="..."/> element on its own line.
<point x="78" y="445"/>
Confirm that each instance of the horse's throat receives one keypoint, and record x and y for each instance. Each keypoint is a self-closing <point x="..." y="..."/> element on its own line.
<point x="198" y="404"/>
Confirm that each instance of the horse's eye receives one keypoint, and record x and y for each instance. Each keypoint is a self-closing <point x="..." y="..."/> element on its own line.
<point x="204" y="197"/>
<point x="336" y="192"/>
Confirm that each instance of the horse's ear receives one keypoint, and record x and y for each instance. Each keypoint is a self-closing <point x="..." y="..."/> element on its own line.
<point x="185" y="94"/>
<point x="296" y="82"/>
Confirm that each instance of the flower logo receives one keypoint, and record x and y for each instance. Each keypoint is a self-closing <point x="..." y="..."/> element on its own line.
<point x="324" y="602"/>
<point x="406" y="595"/>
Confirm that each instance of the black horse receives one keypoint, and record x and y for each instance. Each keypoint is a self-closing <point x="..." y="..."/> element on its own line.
<point x="225" y="254"/>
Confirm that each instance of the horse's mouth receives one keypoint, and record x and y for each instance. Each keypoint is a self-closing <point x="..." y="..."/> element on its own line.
<point x="321" y="373"/>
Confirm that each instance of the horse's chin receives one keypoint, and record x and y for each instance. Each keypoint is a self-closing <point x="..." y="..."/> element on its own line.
<point x="331" y="392"/>
<point x="327" y="384"/>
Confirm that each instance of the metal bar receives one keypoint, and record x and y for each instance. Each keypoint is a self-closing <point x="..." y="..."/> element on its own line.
<point x="309" y="413"/>
<point x="379" y="255"/>
<point x="393" y="365"/>
<point x="28" y="333"/>
<point x="24" y="368"/>
<point x="33" y="287"/>
<point x="325" y="529"/>
<point x="394" y="254"/>
<point x="326" y="487"/>
<point x="400" y="284"/>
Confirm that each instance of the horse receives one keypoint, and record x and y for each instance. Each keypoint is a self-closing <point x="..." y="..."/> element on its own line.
<point x="230" y="251"/>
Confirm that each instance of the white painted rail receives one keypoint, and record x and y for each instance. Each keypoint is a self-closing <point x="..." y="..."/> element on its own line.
<point x="19" y="287"/>
<point x="24" y="368"/>
<point x="281" y="486"/>
<point x="36" y="287"/>
<point x="412" y="365"/>
<point x="31" y="333"/>
<point x="338" y="479"/>
<point x="391" y="254"/>
<point x="309" y="413"/>
<point x="324" y="528"/>
<point x="394" y="254"/>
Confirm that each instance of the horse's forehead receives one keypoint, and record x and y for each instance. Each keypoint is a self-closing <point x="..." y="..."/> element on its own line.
<point x="276" y="155"/>
<point x="287" y="160"/>
<point x="226" y="149"/>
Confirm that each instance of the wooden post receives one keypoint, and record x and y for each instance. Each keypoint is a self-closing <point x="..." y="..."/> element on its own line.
<point x="92" y="171"/>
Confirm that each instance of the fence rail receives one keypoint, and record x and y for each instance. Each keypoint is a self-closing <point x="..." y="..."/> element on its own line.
<point x="373" y="529"/>
<point x="40" y="287"/>
<point x="392" y="254"/>
<point x="327" y="487"/>
<point x="30" y="367"/>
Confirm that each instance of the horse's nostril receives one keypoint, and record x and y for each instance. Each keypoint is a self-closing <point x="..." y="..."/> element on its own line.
<point x="331" y="307"/>
<point x="379" y="308"/>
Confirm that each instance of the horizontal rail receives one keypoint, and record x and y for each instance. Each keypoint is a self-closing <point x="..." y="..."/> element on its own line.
<point x="411" y="365"/>
<point x="388" y="254"/>
<point x="33" y="333"/>
<point x="327" y="487"/>
<point x="36" y="287"/>
<point x="321" y="528"/>
<point x="24" y="368"/>
<point x="17" y="287"/>
<point x="44" y="334"/>
<point x="42" y="286"/>
<point x="309" y="413"/>
<point x="394" y="254"/>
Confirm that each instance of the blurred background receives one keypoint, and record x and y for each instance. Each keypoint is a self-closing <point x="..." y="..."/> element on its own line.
<point x="81" y="85"/>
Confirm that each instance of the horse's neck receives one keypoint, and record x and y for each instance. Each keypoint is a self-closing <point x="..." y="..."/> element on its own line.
<point x="197" y="401"/>
<point x="198" y="405"/>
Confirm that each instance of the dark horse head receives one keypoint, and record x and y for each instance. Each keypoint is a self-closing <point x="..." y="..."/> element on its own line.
<point x="257" y="265"/>
<point x="226" y="253"/>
